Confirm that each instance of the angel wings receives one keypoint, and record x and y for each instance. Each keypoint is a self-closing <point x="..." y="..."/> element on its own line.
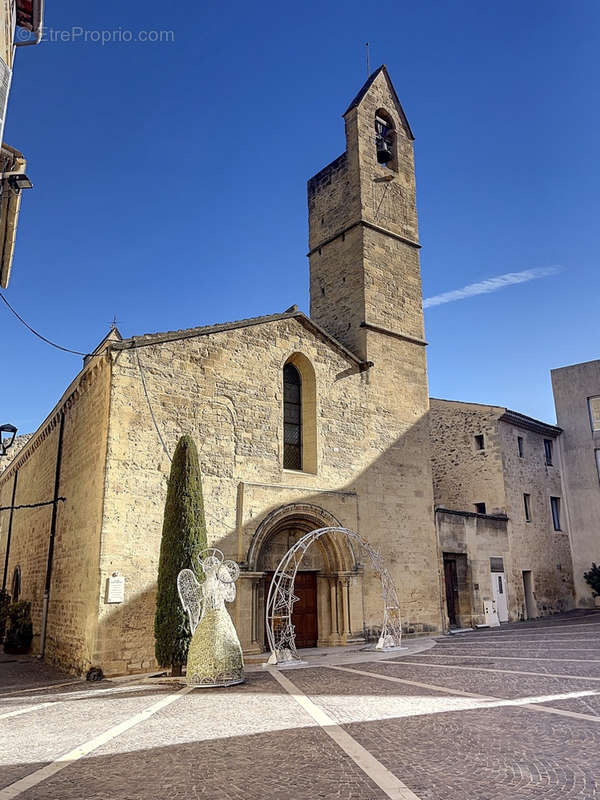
<point x="217" y="588"/>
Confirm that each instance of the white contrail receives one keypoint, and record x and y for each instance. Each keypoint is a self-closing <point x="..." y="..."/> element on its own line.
<point x="490" y="285"/>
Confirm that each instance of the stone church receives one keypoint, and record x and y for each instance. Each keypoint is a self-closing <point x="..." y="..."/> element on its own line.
<point x="301" y="422"/>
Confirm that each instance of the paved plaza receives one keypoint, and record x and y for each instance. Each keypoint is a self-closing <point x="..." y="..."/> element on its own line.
<point x="506" y="713"/>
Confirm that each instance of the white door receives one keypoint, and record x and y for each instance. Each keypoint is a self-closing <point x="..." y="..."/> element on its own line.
<point x="499" y="595"/>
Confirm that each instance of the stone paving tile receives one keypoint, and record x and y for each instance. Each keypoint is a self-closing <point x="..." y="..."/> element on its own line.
<point x="468" y="755"/>
<point x="506" y="753"/>
<point x="34" y="739"/>
<point x="244" y="743"/>
<point x="532" y="665"/>
<point x="581" y="644"/>
<point x="587" y="645"/>
<point x="25" y="672"/>
<point x="498" y="685"/>
<point x="255" y="741"/>
<point x="583" y="705"/>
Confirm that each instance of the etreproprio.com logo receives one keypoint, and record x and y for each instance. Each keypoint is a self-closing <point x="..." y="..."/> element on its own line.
<point x="80" y="35"/>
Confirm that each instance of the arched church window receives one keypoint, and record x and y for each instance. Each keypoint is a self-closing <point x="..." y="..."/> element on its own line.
<point x="292" y="418"/>
<point x="385" y="139"/>
<point x="16" y="585"/>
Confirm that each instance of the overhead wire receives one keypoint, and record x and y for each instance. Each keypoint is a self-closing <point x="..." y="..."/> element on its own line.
<point x="80" y="353"/>
<point x="37" y="333"/>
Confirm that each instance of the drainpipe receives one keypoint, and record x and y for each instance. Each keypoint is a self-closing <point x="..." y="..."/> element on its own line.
<point x="9" y="534"/>
<point x="52" y="536"/>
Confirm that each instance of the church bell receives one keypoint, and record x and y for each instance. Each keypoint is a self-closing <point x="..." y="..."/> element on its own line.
<point x="384" y="151"/>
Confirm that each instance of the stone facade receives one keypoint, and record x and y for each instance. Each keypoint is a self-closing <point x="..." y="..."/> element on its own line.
<point x="470" y="540"/>
<point x="73" y="599"/>
<point x="577" y="400"/>
<point x="510" y="461"/>
<point x="365" y="444"/>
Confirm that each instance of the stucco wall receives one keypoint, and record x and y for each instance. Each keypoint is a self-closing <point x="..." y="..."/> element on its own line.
<point x="572" y="386"/>
<point x="535" y="545"/>
<point x="479" y="538"/>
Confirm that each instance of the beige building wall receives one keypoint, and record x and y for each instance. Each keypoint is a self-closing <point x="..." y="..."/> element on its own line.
<point x="580" y="446"/>
<point x="464" y="474"/>
<point x="535" y="546"/>
<point x="225" y="389"/>
<point x="473" y="539"/>
<point x="73" y="600"/>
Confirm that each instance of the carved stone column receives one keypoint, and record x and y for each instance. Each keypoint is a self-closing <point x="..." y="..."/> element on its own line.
<point x="334" y="636"/>
<point x="249" y="599"/>
<point x="345" y="591"/>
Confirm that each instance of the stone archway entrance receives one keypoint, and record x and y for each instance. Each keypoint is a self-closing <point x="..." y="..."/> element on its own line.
<point x="329" y="586"/>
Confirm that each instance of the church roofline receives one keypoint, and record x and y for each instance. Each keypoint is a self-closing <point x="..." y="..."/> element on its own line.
<point x="205" y="330"/>
<point x="365" y="88"/>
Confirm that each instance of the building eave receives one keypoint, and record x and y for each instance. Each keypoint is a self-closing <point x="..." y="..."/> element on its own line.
<point x="530" y="424"/>
<point x="207" y="330"/>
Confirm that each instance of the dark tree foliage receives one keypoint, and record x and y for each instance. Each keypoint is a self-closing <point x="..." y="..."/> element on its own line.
<point x="593" y="578"/>
<point x="183" y="537"/>
<point x="20" y="629"/>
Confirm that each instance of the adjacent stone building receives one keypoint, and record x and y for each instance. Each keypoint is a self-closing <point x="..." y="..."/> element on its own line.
<point x="577" y="400"/>
<point x="300" y="422"/>
<point x="500" y="514"/>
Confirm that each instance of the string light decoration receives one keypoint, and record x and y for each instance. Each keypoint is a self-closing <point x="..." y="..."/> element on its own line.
<point x="215" y="654"/>
<point x="281" y="598"/>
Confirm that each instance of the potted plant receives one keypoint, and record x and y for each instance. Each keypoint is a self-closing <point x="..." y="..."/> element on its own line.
<point x="20" y="628"/>
<point x="593" y="579"/>
<point x="4" y="604"/>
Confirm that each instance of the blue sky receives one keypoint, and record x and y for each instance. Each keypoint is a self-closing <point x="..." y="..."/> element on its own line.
<point x="170" y="177"/>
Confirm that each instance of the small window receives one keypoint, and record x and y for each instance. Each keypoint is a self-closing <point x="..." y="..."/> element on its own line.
<point x="594" y="409"/>
<point x="479" y="442"/>
<point x="555" y="506"/>
<point x="527" y="507"/>
<point x="597" y="454"/>
<point x="496" y="564"/>
<point x="292" y="418"/>
<point x="480" y="508"/>
<point x="520" y="446"/>
<point x="16" y="585"/>
<point x="548" y="451"/>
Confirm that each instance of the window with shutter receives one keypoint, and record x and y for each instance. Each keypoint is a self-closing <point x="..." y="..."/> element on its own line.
<point x="594" y="408"/>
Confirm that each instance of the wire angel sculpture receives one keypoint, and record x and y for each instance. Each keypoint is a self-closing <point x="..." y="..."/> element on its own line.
<point x="215" y="654"/>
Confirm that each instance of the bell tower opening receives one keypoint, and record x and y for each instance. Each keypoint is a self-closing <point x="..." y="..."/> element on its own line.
<point x="385" y="140"/>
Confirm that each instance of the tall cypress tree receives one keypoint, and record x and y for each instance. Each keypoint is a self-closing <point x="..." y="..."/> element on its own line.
<point x="183" y="537"/>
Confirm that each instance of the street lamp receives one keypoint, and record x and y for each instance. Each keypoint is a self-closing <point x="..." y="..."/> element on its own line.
<point x="19" y="181"/>
<point x="8" y="440"/>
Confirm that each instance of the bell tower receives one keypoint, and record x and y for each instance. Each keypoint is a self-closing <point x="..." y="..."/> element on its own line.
<point x="363" y="236"/>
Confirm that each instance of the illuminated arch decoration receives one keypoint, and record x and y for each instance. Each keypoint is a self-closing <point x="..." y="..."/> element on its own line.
<point x="280" y="600"/>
